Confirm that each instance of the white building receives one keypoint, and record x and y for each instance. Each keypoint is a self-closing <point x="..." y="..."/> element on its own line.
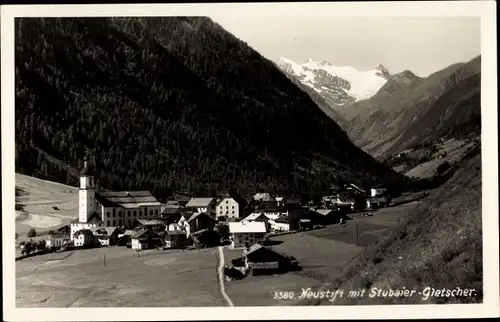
<point x="281" y="224"/>
<point x="377" y="191"/>
<point x="111" y="208"/>
<point x="228" y="207"/>
<point x="246" y="232"/>
<point x="56" y="240"/>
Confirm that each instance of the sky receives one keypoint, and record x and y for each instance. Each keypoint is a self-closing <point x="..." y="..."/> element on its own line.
<point x="423" y="45"/>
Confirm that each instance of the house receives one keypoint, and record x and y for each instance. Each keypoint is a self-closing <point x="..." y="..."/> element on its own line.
<point x="155" y="225"/>
<point x="65" y="230"/>
<point x="299" y="219"/>
<point x="280" y="224"/>
<point x="199" y="221"/>
<point x="175" y="239"/>
<point x="354" y="189"/>
<point x="202" y="205"/>
<point x="262" y="259"/>
<point x="378" y="202"/>
<point x="123" y="208"/>
<point x="180" y="199"/>
<point x="230" y="206"/>
<point x="378" y="191"/>
<point x="125" y="238"/>
<point x="261" y="196"/>
<point x="176" y="221"/>
<point x="145" y="239"/>
<point x="280" y="201"/>
<point x="293" y="204"/>
<point x="106" y="236"/>
<point x="260" y="217"/>
<point x="93" y="221"/>
<point x="246" y="233"/>
<point x="332" y="216"/>
<point x="57" y="240"/>
<point x="85" y="238"/>
<point x="112" y="208"/>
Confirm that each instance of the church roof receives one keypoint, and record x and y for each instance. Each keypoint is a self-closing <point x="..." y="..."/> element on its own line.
<point x="126" y="199"/>
<point x="87" y="169"/>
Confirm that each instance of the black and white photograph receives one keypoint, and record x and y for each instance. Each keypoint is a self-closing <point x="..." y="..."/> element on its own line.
<point x="309" y="159"/>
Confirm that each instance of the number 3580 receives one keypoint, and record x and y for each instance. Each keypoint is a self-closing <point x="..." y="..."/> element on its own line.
<point x="277" y="295"/>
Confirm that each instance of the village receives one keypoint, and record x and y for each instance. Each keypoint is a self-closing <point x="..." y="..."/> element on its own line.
<point x="137" y="220"/>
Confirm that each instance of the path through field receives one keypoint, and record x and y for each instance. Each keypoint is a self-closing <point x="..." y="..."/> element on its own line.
<point x="220" y="271"/>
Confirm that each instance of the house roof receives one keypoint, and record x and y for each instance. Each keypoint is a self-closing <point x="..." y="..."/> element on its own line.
<point x="129" y="232"/>
<point x="197" y="214"/>
<point x="199" y="202"/>
<point x="254" y="216"/>
<point x="58" y="235"/>
<point x="239" y="200"/>
<point x="94" y="216"/>
<point x="256" y="247"/>
<point x="247" y="227"/>
<point x="324" y="212"/>
<point x="282" y="219"/>
<point x="176" y="232"/>
<point x="150" y="222"/>
<point x="85" y="232"/>
<point x="143" y="233"/>
<point x="102" y="231"/>
<point x="261" y="196"/>
<point x="356" y="187"/>
<point x="201" y="231"/>
<point x="126" y="199"/>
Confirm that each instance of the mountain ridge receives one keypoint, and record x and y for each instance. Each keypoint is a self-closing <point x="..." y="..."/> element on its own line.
<point x="169" y="103"/>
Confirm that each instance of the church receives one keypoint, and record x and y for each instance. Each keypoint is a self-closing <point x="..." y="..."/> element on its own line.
<point x="111" y="208"/>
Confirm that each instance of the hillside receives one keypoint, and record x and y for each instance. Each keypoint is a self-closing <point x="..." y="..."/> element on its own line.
<point x="439" y="245"/>
<point x="410" y="110"/>
<point x="170" y="103"/>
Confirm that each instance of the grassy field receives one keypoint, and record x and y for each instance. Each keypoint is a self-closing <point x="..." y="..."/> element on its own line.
<point x="324" y="255"/>
<point x="455" y="151"/>
<point x="439" y="245"/>
<point x="166" y="278"/>
<point x="189" y="278"/>
<point x="37" y="198"/>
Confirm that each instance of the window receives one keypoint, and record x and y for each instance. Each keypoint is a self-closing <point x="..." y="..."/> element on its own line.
<point x="227" y="201"/>
<point x="233" y="207"/>
<point x="140" y="213"/>
<point x="135" y="213"/>
<point x="151" y="212"/>
<point x="114" y="222"/>
<point x="107" y="214"/>
<point x="114" y="212"/>
<point x="232" y="212"/>
<point x="119" y="222"/>
<point x="156" y="212"/>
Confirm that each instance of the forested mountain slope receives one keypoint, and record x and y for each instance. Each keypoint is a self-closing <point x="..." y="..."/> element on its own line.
<point x="175" y="103"/>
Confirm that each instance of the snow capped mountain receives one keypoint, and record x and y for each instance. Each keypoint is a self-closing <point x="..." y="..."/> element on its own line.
<point x="338" y="84"/>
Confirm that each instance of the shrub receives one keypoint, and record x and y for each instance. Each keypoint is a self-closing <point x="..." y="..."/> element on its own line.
<point x="32" y="233"/>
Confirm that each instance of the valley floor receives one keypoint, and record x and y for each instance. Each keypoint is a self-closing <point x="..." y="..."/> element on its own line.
<point x="189" y="278"/>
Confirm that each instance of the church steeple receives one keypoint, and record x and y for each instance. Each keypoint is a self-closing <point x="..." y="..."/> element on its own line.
<point x="87" y="168"/>
<point x="87" y="191"/>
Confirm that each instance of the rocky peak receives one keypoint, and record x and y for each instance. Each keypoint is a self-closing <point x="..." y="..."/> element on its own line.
<point x="383" y="72"/>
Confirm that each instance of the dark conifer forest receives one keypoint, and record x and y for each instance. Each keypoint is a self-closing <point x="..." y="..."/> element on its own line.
<point x="168" y="104"/>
